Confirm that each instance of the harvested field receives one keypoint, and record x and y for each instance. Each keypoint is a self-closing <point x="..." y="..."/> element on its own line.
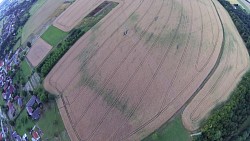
<point x="136" y="68"/>
<point x="75" y="13"/>
<point x="38" y="51"/>
<point x="233" y="65"/>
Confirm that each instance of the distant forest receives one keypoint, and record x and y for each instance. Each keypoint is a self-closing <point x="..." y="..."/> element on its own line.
<point x="231" y="121"/>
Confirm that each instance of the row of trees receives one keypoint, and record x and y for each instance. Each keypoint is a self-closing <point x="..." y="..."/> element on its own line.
<point x="243" y="136"/>
<point x="225" y="122"/>
<point x="61" y="49"/>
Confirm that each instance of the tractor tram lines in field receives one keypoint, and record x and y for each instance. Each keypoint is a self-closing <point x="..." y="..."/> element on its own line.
<point x="140" y="65"/>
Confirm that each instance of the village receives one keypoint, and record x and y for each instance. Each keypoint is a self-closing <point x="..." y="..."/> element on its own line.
<point x="25" y="110"/>
<point x="14" y="103"/>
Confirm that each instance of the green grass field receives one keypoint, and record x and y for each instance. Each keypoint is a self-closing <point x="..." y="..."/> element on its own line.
<point x="173" y="131"/>
<point x="23" y="123"/>
<point x="26" y="70"/>
<point x="53" y="35"/>
<point x="51" y="122"/>
<point x="36" y="6"/>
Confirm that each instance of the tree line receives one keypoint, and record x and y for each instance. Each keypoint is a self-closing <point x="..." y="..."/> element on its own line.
<point x="224" y="123"/>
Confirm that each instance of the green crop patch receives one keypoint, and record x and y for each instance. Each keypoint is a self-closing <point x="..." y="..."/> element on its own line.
<point x="53" y="36"/>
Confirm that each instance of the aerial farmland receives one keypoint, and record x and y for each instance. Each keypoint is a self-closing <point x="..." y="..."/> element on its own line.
<point x="145" y="61"/>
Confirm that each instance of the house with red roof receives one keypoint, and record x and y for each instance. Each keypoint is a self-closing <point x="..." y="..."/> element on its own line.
<point x="35" y="136"/>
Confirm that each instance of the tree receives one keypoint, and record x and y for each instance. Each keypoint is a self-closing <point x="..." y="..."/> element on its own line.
<point x="29" y="44"/>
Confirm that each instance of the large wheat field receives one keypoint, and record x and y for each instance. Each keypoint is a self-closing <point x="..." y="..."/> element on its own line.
<point x="141" y="64"/>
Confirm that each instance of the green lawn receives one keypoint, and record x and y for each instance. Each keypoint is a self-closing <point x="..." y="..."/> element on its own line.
<point x="51" y="122"/>
<point x="23" y="123"/>
<point x="173" y="131"/>
<point x="53" y="35"/>
<point x="26" y="70"/>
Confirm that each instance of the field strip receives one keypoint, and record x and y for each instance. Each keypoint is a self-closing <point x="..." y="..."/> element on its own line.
<point x="61" y="22"/>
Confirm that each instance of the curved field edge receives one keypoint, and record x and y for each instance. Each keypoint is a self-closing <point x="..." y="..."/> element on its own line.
<point x="214" y="94"/>
<point x="163" y="132"/>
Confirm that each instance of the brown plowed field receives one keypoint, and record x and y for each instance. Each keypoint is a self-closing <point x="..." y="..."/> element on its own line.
<point x="233" y="65"/>
<point x="123" y="87"/>
<point x="38" y="51"/>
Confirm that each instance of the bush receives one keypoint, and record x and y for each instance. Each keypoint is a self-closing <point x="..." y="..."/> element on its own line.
<point x="12" y="123"/>
<point x="24" y="93"/>
<point x="29" y="44"/>
<point x="44" y="97"/>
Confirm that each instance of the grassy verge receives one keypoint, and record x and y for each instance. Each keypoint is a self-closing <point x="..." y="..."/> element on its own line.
<point x="173" y="131"/>
<point x="26" y="70"/>
<point x="53" y="36"/>
<point x="17" y="45"/>
<point x="51" y="122"/>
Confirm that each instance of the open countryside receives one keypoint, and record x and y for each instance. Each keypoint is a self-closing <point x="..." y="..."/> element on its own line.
<point x="125" y="70"/>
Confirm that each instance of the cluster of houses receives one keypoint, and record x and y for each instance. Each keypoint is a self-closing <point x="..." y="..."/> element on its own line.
<point x="35" y="134"/>
<point x="14" y="101"/>
<point x="7" y="84"/>
<point x="33" y="107"/>
<point x="10" y="14"/>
